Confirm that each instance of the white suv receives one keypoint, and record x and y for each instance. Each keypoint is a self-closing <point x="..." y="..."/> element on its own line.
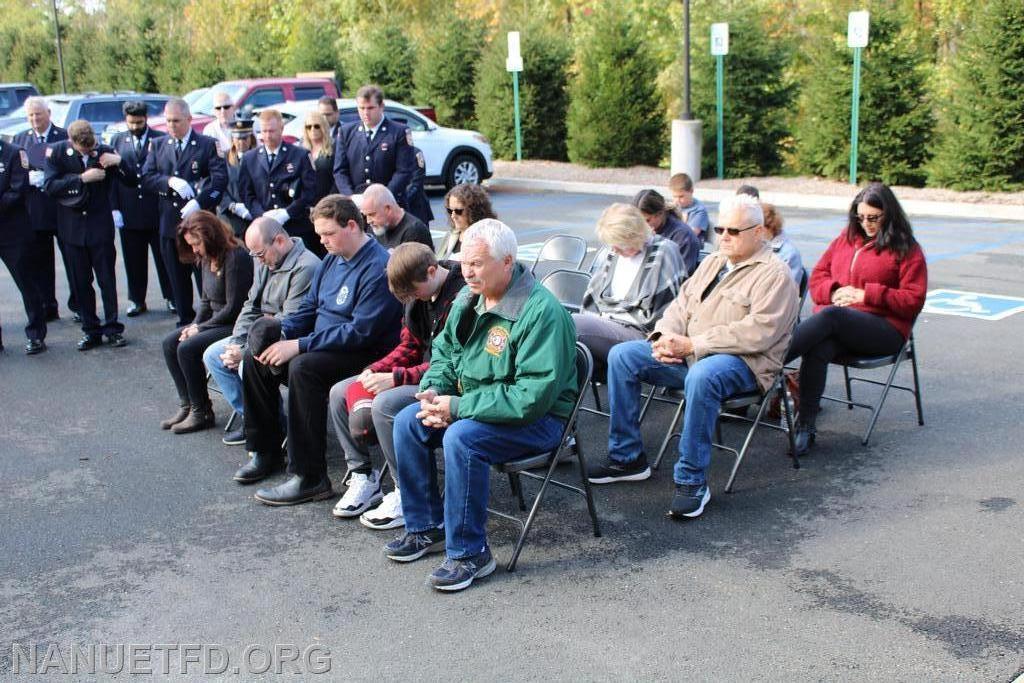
<point x="453" y="156"/>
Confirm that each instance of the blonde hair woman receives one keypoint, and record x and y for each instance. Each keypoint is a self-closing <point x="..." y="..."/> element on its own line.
<point x="316" y="137"/>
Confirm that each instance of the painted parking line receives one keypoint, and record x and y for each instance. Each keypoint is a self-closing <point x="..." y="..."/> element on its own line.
<point x="972" y="304"/>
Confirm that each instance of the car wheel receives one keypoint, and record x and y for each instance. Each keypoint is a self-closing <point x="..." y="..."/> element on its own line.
<point x="464" y="168"/>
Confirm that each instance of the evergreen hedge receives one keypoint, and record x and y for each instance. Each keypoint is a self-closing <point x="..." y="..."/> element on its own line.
<point x="447" y="69"/>
<point x="382" y="55"/>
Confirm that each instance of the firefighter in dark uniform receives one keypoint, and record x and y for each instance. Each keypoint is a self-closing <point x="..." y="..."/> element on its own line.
<point x="185" y="170"/>
<point x="16" y="243"/>
<point x="416" y="200"/>
<point x="374" y="149"/>
<point x="135" y="210"/>
<point x="42" y="209"/>
<point x="78" y="175"/>
<point x="277" y="180"/>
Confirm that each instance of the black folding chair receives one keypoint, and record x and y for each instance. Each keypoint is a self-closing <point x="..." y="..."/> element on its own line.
<point x="521" y="467"/>
<point x="907" y="352"/>
<point x="212" y="386"/>
<point x="560" y="251"/>
<point x="568" y="286"/>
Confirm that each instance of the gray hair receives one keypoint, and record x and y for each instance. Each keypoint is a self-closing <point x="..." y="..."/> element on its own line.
<point x="179" y="104"/>
<point x="36" y="101"/>
<point x="747" y="206"/>
<point x="498" y="237"/>
<point x="267" y="228"/>
<point x="380" y="195"/>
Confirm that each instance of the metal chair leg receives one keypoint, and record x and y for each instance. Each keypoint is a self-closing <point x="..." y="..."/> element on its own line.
<point x="671" y="434"/>
<point x="597" y="395"/>
<point x="790" y="428"/>
<point x="877" y="410"/>
<point x="849" y="393"/>
<point x="231" y="421"/>
<point x="517" y="489"/>
<point x="746" y="442"/>
<point x="511" y="566"/>
<point x="917" y="388"/>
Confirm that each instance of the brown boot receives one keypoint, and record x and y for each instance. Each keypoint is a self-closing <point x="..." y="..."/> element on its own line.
<point x="177" y="417"/>
<point x="199" y="417"/>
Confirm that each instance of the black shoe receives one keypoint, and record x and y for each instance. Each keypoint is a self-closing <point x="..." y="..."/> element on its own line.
<point x="90" y="341"/>
<point x="689" y="500"/>
<point x="52" y="315"/>
<point x="804" y="437"/>
<point x="609" y="471"/>
<point x="259" y="467"/>
<point x="170" y="306"/>
<point x="295" y="491"/>
<point x="410" y="546"/>
<point x="135" y="309"/>
<point x="117" y="339"/>
<point x="75" y="318"/>
<point x="236" y="437"/>
<point x="34" y="346"/>
<point x="455" y="575"/>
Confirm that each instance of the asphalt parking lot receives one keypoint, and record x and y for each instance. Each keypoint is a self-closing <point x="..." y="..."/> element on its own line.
<point x="897" y="561"/>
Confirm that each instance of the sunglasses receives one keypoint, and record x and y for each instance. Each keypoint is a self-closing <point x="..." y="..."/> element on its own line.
<point x="733" y="232"/>
<point x="312" y="126"/>
<point x="457" y="212"/>
<point x="874" y="218"/>
<point x="224" y="106"/>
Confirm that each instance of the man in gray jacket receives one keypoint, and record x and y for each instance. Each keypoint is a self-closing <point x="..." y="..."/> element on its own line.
<point x="284" y="271"/>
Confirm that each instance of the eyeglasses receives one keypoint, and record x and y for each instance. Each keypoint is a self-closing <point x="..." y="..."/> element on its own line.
<point x="454" y="211"/>
<point x="733" y="232"/>
<point x="259" y="254"/>
<point x="873" y="218"/>
<point x="224" y="106"/>
<point x="312" y="126"/>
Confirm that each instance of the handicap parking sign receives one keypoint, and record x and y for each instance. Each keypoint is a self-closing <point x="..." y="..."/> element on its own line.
<point x="972" y="304"/>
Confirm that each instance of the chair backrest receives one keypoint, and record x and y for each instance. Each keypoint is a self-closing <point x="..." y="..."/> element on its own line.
<point x="584" y="371"/>
<point x="568" y="249"/>
<point x="805" y="281"/>
<point x="568" y="286"/>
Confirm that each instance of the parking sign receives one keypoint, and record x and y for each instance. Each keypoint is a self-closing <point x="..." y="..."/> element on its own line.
<point x="857" y="29"/>
<point x="719" y="39"/>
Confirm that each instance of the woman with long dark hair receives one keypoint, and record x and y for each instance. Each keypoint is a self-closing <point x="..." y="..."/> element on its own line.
<point x="868" y="288"/>
<point x="226" y="268"/>
<point x="465" y="205"/>
<point x="666" y="223"/>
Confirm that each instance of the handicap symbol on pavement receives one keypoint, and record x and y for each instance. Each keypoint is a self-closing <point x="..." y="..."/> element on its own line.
<point x="972" y="304"/>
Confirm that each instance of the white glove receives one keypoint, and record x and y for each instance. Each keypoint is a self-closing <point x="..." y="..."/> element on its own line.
<point x="279" y="215"/>
<point x="118" y="219"/>
<point x="191" y="207"/>
<point x="240" y="210"/>
<point x="35" y="178"/>
<point x="183" y="189"/>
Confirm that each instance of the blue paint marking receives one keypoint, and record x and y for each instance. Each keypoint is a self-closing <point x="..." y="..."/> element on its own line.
<point x="972" y="304"/>
<point x="970" y="249"/>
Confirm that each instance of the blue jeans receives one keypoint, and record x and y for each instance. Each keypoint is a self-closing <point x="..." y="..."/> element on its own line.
<point x="229" y="381"/>
<point x="710" y="381"/>
<point x="470" y="448"/>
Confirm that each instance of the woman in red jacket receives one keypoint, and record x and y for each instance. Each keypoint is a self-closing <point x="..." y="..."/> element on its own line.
<point x="868" y="288"/>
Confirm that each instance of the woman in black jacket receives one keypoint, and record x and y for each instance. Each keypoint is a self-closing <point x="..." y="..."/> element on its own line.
<point x="227" y="272"/>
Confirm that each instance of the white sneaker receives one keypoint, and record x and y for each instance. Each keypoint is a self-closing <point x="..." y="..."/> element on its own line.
<point x="387" y="515"/>
<point x="363" y="492"/>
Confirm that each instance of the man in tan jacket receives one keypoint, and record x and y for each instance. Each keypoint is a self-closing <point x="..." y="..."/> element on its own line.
<point x="725" y="333"/>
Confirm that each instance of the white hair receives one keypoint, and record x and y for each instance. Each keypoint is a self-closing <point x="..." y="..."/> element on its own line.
<point x="36" y="101"/>
<point x="380" y="195"/>
<point x="747" y="206"/>
<point x="498" y="237"/>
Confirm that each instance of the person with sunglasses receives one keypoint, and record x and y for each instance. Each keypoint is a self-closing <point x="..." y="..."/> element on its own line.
<point x="868" y="288"/>
<point x="224" y="117"/>
<point x="317" y="139"/>
<point x="465" y="205"/>
<point x="725" y="333"/>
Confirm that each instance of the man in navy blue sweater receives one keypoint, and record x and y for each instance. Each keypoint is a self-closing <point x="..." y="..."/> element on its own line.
<point x="347" y="320"/>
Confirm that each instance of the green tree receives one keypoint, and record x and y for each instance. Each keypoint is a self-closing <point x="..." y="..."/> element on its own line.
<point x="896" y="119"/>
<point x="615" y="114"/>
<point x="981" y="132"/>
<point x="447" y="69"/>
<point x="382" y="54"/>
<point x="543" y="93"/>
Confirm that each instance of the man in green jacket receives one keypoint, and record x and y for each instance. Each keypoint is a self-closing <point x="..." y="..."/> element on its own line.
<point x="501" y="384"/>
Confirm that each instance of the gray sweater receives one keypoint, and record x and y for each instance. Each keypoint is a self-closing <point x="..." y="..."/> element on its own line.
<point x="224" y="291"/>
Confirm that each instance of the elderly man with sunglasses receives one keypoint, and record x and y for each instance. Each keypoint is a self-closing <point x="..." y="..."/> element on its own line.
<point x="224" y="118"/>
<point x="725" y="333"/>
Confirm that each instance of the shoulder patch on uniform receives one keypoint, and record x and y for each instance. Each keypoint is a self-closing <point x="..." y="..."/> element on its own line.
<point x="24" y="159"/>
<point x="408" y="137"/>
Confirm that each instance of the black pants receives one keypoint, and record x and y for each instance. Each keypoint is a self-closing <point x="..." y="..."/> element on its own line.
<point x="185" y="362"/>
<point x="135" y="245"/>
<point x="84" y="262"/>
<point x="834" y="331"/>
<point x="45" y="272"/>
<point x="310" y="377"/>
<point x="18" y="259"/>
<point x="180" y="275"/>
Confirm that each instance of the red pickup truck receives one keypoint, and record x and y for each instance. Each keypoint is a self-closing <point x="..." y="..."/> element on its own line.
<point x="256" y="93"/>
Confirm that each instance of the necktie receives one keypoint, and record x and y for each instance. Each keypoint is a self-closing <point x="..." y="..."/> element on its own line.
<point x="270" y="159"/>
<point x="138" y="145"/>
<point x="369" y="135"/>
<point x="40" y="139"/>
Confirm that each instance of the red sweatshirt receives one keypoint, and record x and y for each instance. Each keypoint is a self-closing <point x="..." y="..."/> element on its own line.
<point x="894" y="288"/>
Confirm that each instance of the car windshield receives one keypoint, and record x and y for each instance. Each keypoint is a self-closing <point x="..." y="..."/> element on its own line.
<point x="7" y="101"/>
<point x="204" y="105"/>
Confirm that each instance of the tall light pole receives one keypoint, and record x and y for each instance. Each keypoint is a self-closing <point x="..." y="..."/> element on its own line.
<point x="686" y="131"/>
<point x="687" y="111"/>
<point x="60" y="52"/>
